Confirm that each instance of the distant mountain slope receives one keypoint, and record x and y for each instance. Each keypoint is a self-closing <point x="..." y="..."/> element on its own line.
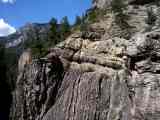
<point x="25" y="33"/>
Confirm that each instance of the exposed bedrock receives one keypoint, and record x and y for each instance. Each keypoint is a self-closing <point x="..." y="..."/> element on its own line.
<point x="99" y="75"/>
<point x="75" y="83"/>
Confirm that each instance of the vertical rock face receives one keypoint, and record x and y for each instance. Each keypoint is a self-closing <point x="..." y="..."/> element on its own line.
<point x="26" y="58"/>
<point x="104" y="77"/>
<point x="74" y="83"/>
<point x="37" y="87"/>
<point x="145" y="75"/>
<point x="117" y="82"/>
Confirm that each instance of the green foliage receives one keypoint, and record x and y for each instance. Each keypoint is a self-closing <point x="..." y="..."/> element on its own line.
<point x="83" y="27"/>
<point x="53" y="34"/>
<point x="84" y="24"/>
<point x="65" y="28"/>
<point x="78" y="21"/>
<point x="95" y="14"/>
<point x="92" y="16"/>
<point x="57" y="33"/>
<point x="151" y="17"/>
<point x="37" y="45"/>
<point x="38" y="49"/>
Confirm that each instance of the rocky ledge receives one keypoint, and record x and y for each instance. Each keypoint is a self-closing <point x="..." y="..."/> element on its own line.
<point x="81" y="79"/>
<point x="99" y="75"/>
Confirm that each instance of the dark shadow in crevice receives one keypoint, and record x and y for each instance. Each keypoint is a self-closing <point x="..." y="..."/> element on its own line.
<point x="5" y="100"/>
<point x="142" y="2"/>
<point x="133" y="60"/>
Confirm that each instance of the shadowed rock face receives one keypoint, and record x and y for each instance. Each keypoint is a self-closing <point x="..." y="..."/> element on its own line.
<point x="5" y="100"/>
<point x="141" y="2"/>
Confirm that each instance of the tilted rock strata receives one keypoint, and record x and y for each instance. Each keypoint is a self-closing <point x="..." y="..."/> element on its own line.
<point x="124" y="85"/>
<point x="95" y="76"/>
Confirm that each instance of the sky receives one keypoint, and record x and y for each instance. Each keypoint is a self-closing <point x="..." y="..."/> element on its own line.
<point x="16" y="13"/>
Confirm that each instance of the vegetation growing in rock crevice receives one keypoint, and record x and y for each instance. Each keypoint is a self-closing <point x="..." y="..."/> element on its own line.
<point x="95" y="14"/>
<point x="91" y="16"/>
<point x="65" y="28"/>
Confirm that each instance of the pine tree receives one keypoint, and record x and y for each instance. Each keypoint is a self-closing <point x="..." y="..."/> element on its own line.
<point x="53" y="32"/>
<point x="78" y="21"/>
<point x="84" y="24"/>
<point x="65" y="28"/>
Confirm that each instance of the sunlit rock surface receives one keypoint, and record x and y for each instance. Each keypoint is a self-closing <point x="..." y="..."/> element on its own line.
<point x="100" y="75"/>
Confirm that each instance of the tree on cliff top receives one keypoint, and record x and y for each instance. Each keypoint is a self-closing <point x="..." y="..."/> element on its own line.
<point x="65" y="28"/>
<point x="53" y="32"/>
<point x="77" y="21"/>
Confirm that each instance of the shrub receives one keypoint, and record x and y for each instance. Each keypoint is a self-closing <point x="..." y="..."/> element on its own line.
<point x="53" y="34"/>
<point x="92" y="16"/>
<point x="84" y="24"/>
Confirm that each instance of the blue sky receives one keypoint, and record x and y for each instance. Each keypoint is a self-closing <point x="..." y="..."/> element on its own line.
<point x="16" y="13"/>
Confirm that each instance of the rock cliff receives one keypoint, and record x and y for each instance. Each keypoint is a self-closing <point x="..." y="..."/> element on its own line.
<point x="106" y="77"/>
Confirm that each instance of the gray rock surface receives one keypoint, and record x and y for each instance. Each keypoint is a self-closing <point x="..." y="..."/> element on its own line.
<point x="106" y="3"/>
<point x="94" y="78"/>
